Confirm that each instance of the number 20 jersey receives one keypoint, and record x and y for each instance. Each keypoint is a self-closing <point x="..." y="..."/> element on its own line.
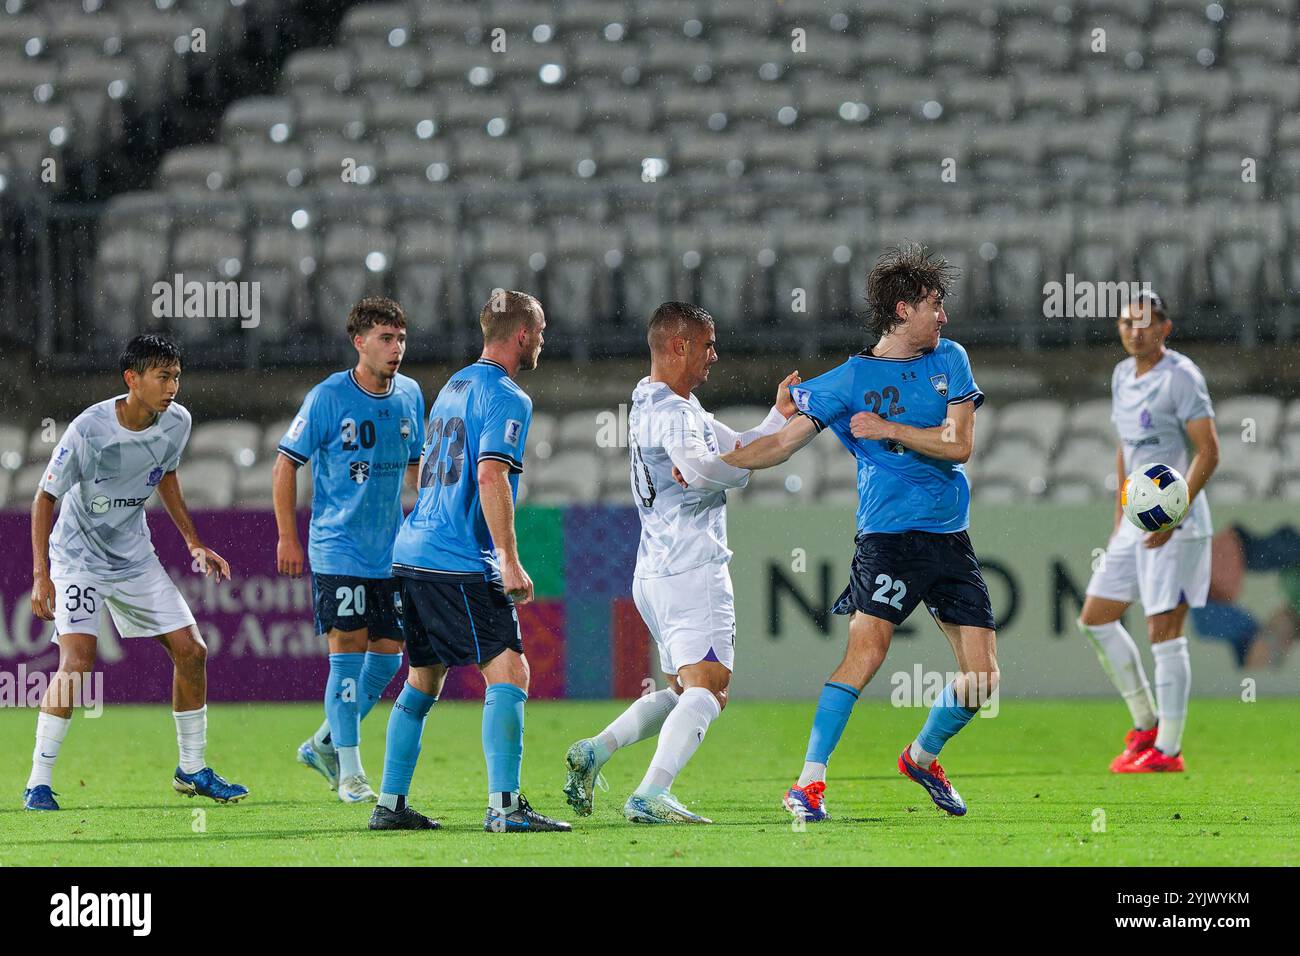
<point x="359" y="444"/>
<point x="480" y="415"/>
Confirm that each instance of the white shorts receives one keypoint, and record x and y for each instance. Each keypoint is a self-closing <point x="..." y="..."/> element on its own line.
<point x="691" y="616"/>
<point x="1161" y="578"/>
<point x="145" y="605"/>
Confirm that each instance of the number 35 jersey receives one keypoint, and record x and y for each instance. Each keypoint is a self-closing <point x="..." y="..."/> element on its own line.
<point x="898" y="489"/>
<point x="480" y="415"/>
<point x="359" y="444"/>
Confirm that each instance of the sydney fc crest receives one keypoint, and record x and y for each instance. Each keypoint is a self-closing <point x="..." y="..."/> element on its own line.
<point x="155" y="476"/>
<point x="940" y="383"/>
<point x="359" y="471"/>
<point x="404" y="426"/>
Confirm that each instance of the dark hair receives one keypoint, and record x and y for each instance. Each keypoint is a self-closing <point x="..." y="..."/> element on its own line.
<point x="906" y="273"/>
<point x="505" y="312"/>
<point x="1149" y="297"/>
<point x="672" y="319"/>
<point x="148" y="351"/>
<point x="374" y="310"/>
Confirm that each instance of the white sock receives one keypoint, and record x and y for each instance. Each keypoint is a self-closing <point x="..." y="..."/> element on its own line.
<point x="813" y="772"/>
<point x="682" y="733"/>
<point x="642" y="719"/>
<point x="50" y="731"/>
<point x="920" y="756"/>
<point x="349" y="761"/>
<point x="192" y="738"/>
<point x="1173" y="687"/>
<point x="505" y="802"/>
<point x="1123" y="664"/>
<point x="319" y="738"/>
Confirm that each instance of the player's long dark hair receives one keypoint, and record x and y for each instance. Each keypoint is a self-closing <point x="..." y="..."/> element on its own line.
<point x="905" y="273"/>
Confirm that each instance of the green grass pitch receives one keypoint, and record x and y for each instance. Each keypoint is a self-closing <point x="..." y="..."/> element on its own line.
<point x="1034" y="776"/>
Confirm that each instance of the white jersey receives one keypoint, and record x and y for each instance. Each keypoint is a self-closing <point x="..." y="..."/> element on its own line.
<point x="104" y="473"/>
<point x="1151" y="412"/>
<point x="681" y="528"/>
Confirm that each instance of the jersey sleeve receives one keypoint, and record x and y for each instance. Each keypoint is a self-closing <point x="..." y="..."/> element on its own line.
<point x="67" y="463"/>
<point x="174" y="459"/>
<point x="505" y="429"/>
<point x="826" y="398"/>
<point x="308" y="430"/>
<point x="682" y="437"/>
<point x="961" y="381"/>
<point x="1191" y="397"/>
<point x="728" y="436"/>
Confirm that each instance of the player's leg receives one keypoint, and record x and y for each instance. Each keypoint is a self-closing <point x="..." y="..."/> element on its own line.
<point x="193" y="777"/>
<point x="423" y="607"/>
<point x="642" y="719"/>
<point x="704" y="686"/>
<point x="1110" y="592"/>
<point x="76" y="661"/>
<point x="1171" y="579"/>
<point x="380" y="663"/>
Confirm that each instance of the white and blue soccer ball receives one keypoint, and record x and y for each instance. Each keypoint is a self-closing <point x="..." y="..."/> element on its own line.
<point x="1154" y="497"/>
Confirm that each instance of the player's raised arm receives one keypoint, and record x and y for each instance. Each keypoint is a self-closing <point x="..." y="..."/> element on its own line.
<point x="169" y="490"/>
<point x="774" y="449"/>
<point x="776" y="418"/>
<point x="284" y="498"/>
<point x="499" y="513"/>
<point x="954" y="440"/>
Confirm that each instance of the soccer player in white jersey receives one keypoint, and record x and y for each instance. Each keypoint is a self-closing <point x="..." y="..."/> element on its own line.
<point x="104" y="469"/>
<point x="1160" y="405"/>
<point x="681" y="585"/>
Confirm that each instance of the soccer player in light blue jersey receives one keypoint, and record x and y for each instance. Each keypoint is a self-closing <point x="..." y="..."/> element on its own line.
<point x="362" y="430"/>
<point x="905" y="408"/>
<point x="457" y="560"/>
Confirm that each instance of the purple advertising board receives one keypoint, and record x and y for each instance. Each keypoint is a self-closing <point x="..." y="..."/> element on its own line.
<point x="259" y="626"/>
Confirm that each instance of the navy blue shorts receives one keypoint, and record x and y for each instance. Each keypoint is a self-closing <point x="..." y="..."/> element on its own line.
<point x="457" y="619"/>
<point x="893" y="573"/>
<point x="350" y="603"/>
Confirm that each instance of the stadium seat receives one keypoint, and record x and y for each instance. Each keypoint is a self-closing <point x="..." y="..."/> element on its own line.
<point x="207" y="483"/>
<point x="567" y="477"/>
<point x="22" y="489"/>
<point x="1037" y="421"/>
<point x="13" y="447"/>
<point x="237" y="441"/>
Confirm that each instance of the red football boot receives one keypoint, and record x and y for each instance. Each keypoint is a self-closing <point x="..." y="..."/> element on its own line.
<point x="1152" y="760"/>
<point x="1136" y="743"/>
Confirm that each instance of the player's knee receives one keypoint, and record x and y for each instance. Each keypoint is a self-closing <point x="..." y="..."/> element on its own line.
<point x="191" y="652"/>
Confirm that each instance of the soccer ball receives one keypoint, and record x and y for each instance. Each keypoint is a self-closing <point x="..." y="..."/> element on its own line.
<point x="1154" y="497"/>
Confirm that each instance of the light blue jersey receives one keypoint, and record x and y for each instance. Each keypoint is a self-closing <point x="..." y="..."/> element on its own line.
<point x="898" y="489"/>
<point x="359" y="445"/>
<point x="480" y="415"/>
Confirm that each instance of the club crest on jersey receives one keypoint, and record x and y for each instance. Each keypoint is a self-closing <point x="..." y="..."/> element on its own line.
<point x="801" y="398"/>
<point x="1145" y="418"/>
<point x="404" y="426"/>
<point x="155" y="476"/>
<point x="513" y="431"/>
<point x="359" y="471"/>
<point x="60" y="458"/>
<point x="940" y="383"/>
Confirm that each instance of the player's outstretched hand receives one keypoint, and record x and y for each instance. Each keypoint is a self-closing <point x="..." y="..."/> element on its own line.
<point x="784" y="403"/>
<point x="208" y="562"/>
<point x="516" y="582"/>
<point x="43" y="597"/>
<point x="1157" y="538"/>
<point x="288" y="558"/>
<point x="869" y="425"/>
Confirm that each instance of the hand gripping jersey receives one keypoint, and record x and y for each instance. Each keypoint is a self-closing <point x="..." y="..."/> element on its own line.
<point x="898" y="489"/>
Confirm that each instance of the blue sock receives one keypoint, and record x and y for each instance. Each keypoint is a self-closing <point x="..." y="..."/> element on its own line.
<point x="503" y="736"/>
<point x="342" y="691"/>
<point x="833" y="709"/>
<point x="376" y="674"/>
<point x="402" y="747"/>
<point x="946" y="718"/>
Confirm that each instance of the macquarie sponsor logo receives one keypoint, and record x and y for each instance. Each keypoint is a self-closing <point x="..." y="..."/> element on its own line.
<point x="78" y="909"/>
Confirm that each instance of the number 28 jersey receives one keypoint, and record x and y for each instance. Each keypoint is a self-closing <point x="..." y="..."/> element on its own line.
<point x="480" y="415"/>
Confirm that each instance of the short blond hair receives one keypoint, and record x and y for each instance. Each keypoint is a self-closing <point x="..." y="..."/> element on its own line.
<point x="505" y="313"/>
